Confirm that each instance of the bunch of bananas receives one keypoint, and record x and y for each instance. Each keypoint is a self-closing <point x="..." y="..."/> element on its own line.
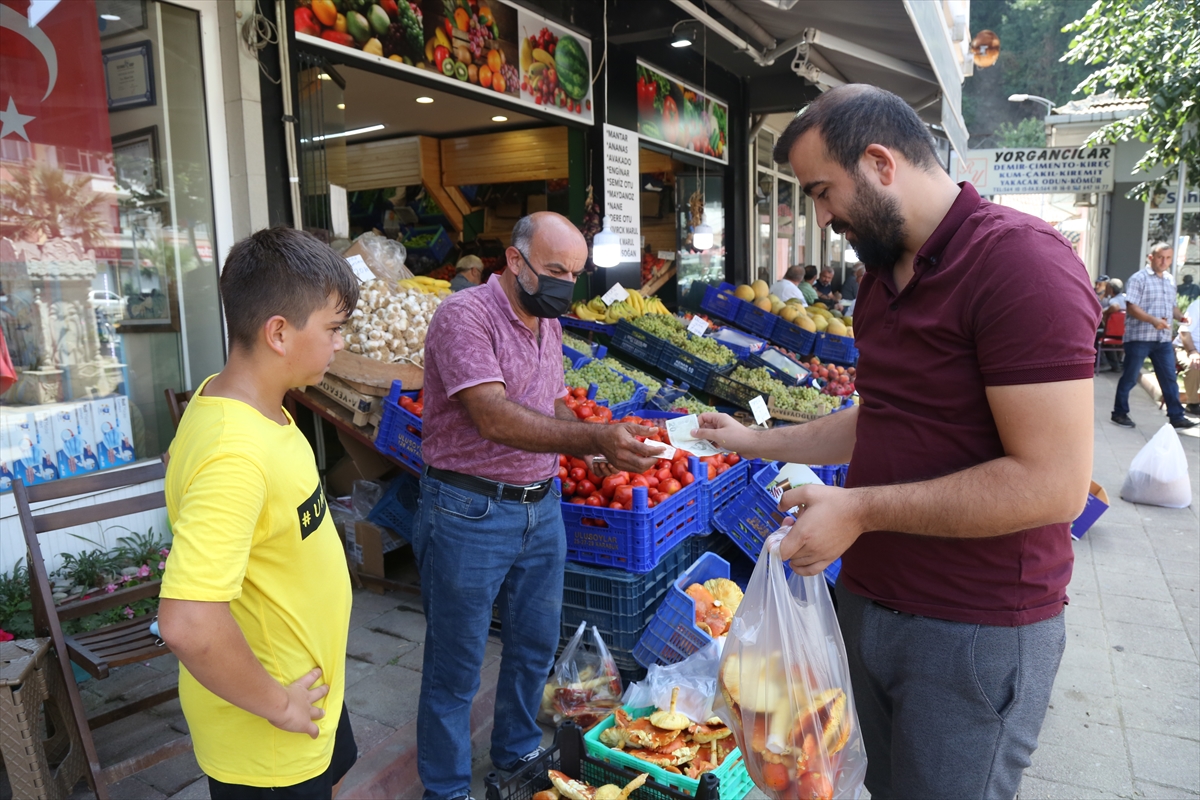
<point x="426" y="284"/>
<point x="631" y="307"/>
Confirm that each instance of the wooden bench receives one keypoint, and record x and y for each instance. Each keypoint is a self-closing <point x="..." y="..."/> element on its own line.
<point x="177" y="404"/>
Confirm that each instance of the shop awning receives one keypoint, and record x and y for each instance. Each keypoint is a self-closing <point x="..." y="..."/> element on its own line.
<point x="914" y="48"/>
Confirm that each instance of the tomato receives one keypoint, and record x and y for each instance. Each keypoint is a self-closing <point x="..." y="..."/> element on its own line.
<point x="577" y="462"/>
<point x="579" y="392"/>
<point x="593" y="477"/>
<point x="688" y="479"/>
<point x="680" y="455"/>
<point x="679" y="469"/>
<point x="712" y="471"/>
<point x="595" y="419"/>
<point x="623" y="494"/>
<point x="721" y="468"/>
<point x="570" y="402"/>
<point x="606" y="489"/>
<point x="594" y="500"/>
<point x="568" y="488"/>
<point x="604" y="412"/>
<point x="652" y="482"/>
<point x="658" y="497"/>
<point x="776" y="777"/>
<point x="585" y="487"/>
<point x="613" y="481"/>
<point x="670" y="486"/>
<point x="563" y="473"/>
<point x="638" y="480"/>
<point x="662" y="464"/>
<point x="583" y="411"/>
<point x="663" y="474"/>
<point x="813" y="786"/>
<point x="616" y="505"/>
<point x="578" y="501"/>
<point x="578" y="474"/>
<point x="732" y="459"/>
<point x="563" y="461"/>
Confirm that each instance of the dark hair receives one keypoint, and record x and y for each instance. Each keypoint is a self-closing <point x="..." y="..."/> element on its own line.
<point x="851" y="117"/>
<point x="1187" y="278"/>
<point x="810" y="272"/>
<point x="281" y="271"/>
<point x="794" y="274"/>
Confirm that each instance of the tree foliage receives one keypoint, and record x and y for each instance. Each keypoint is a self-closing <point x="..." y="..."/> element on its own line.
<point x="1151" y="51"/>
<point x="40" y="202"/>
<point x="1029" y="132"/>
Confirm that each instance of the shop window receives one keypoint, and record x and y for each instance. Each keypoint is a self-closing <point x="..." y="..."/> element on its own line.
<point x="108" y="277"/>
<point x="707" y="265"/>
<point x="764" y="226"/>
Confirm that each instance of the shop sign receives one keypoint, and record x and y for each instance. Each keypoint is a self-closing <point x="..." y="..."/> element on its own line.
<point x="675" y="114"/>
<point x="1037" y="170"/>
<point x="491" y="47"/>
<point x="1164" y="201"/>
<point x="622" y="203"/>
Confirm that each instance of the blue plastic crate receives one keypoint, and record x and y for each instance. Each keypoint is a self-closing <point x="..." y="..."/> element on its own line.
<point x="720" y="302"/>
<point x="578" y="359"/>
<point x="640" y="344"/>
<point x="838" y="349"/>
<point x="740" y="351"/>
<point x="755" y="320"/>
<point x="667" y="394"/>
<point x="672" y="635"/>
<point x="793" y="337"/>
<point x="680" y="364"/>
<point x="617" y="602"/>
<point x="397" y="509"/>
<point x="780" y="373"/>
<point x="399" y="433"/>
<point x="437" y="249"/>
<point x="586" y="325"/>
<point x="724" y="488"/>
<point x="635" y="540"/>
<point x="637" y="400"/>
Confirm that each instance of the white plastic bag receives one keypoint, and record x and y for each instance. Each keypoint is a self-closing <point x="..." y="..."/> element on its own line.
<point x="695" y="677"/>
<point x="785" y="687"/>
<point x="1158" y="475"/>
<point x="585" y="686"/>
<point x="384" y="257"/>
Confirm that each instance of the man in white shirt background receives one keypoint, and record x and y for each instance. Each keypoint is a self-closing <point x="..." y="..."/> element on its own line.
<point x="1187" y="354"/>
<point x="788" y="287"/>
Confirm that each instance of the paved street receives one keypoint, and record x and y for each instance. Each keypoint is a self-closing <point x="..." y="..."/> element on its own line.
<point x="1125" y="717"/>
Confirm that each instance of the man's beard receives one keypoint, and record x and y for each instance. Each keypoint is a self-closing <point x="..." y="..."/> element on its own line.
<point x="877" y="224"/>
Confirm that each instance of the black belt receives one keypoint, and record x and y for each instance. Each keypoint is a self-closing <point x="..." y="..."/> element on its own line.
<point x="532" y="493"/>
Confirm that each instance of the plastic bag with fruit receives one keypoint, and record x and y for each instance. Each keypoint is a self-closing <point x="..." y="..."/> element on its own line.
<point x="585" y="686"/>
<point x="785" y="687"/>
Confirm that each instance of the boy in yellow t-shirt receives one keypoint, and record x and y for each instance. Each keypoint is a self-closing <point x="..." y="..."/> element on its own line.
<point x="256" y="597"/>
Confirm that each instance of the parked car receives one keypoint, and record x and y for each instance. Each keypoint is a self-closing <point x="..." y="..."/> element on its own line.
<point x="111" y="303"/>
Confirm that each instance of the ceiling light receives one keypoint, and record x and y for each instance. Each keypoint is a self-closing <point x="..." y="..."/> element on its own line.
<point x="110" y="17"/>
<point x="499" y="118"/>
<point x="325" y="76"/>
<point x="341" y="106"/>
<point x="424" y="100"/>
<point x="606" y="247"/>
<point x="683" y="34"/>
<point x="702" y="236"/>
<point x="354" y="132"/>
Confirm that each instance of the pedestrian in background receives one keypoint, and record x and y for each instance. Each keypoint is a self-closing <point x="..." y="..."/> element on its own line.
<point x="468" y="273"/>
<point x="1149" y="309"/>
<point x="1189" y="289"/>
<point x="806" y="285"/>
<point x="1186" y="353"/>
<point x="788" y="287"/>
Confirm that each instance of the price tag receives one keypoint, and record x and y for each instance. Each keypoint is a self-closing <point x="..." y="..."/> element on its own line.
<point x="698" y="325"/>
<point x="759" y="407"/>
<point x="666" y="255"/>
<point x="361" y="270"/>
<point x="615" y="295"/>
<point x="668" y="452"/>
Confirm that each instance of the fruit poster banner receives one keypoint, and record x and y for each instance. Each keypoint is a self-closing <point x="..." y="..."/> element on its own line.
<point x="489" y="46"/>
<point x="675" y="114"/>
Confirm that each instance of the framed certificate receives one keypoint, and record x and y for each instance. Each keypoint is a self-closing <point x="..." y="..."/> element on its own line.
<point x="129" y="76"/>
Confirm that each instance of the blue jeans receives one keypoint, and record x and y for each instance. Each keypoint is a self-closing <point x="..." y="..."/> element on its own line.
<point x="473" y="550"/>
<point x="1162" y="356"/>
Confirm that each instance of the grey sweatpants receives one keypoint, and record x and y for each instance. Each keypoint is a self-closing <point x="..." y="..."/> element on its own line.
<point x="948" y="709"/>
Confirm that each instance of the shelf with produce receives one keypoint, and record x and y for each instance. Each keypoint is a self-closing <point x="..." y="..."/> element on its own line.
<point x="658" y="281"/>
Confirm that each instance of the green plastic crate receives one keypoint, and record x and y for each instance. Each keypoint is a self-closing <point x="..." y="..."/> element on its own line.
<point x="735" y="780"/>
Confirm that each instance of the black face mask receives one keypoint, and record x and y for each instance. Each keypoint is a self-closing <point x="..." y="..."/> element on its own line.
<point x="552" y="298"/>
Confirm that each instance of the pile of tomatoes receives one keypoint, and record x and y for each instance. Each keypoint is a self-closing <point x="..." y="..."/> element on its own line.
<point x="414" y="407"/>
<point x="587" y="410"/>
<point x="581" y="486"/>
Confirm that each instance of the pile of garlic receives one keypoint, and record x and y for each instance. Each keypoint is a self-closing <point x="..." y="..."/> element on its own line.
<point x="389" y="324"/>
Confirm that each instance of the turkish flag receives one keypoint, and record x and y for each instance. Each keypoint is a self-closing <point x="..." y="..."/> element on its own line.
<point x="51" y="75"/>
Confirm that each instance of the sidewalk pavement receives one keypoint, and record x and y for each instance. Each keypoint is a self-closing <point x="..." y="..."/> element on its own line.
<point x="1124" y="719"/>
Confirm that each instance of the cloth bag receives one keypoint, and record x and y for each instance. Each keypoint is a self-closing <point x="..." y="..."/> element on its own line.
<point x="585" y="686"/>
<point x="785" y="686"/>
<point x="1158" y="475"/>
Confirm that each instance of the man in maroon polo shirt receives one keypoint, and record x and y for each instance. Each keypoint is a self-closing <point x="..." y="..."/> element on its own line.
<point x="970" y="452"/>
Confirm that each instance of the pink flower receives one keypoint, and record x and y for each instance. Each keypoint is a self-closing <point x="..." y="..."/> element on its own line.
<point x="126" y="578"/>
<point x="110" y="588"/>
<point x="164" y="552"/>
<point x="162" y="565"/>
<point x="143" y="571"/>
<point x="128" y="612"/>
<point x="5" y="636"/>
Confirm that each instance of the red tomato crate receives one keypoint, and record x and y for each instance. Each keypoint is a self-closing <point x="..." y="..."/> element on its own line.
<point x="399" y="431"/>
<point x="636" y="540"/>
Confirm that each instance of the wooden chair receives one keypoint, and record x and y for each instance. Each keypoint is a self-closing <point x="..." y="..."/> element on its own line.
<point x="177" y="404"/>
<point x="98" y="651"/>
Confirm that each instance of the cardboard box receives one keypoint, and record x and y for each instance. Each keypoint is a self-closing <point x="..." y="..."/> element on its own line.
<point x="112" y="430"/>
<point x="9" y="454"/>
<point x="368" y="540"/>
<point x="1097" y="504"/>
<point x="75" y="447"/>
<point x="34" y="444"/>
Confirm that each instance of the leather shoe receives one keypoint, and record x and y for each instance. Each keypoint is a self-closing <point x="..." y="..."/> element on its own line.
<point x="1123" y="420"/>
<point x="1183" y="423"/>
<point x="1192" y="408"/>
